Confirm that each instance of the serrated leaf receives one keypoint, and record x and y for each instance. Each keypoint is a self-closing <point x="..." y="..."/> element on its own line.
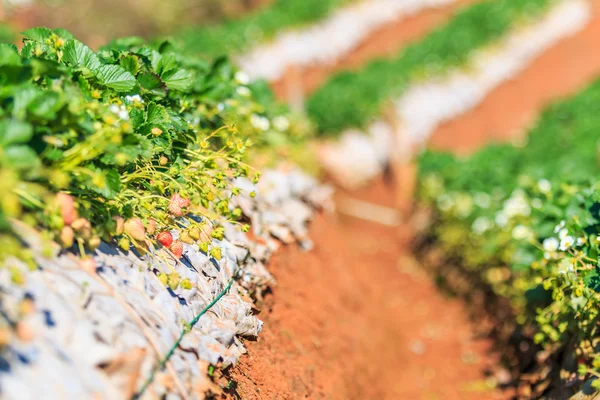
<point x="63" y="33"/>
<point x="130" y="64"/>
<point x="14" y="131"/>
<point x="116" y="78"/>
<point x="37" y="34"/>
<point x="156" y="115"/>
<point x="152" y="83"/>
<point x="178" y="80"/>
<point x="79" y="55"/>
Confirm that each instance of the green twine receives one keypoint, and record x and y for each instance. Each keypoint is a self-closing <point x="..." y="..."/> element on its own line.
<point x="185" y="330"/>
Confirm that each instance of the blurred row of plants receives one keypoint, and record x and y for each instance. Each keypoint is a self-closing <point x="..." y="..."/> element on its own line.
<point x="352" y="99"/>
<point x="526" y="220"/>
<point x="97" y="21"/>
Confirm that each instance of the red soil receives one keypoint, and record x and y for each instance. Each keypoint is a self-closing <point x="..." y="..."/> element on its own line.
<point x="512" y="107"/>
<point x="355" y="319"/>
<point x="385" y="42"/>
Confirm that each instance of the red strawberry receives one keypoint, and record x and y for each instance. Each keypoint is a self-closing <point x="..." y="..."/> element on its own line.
<point x="135" y="229"/>
<point x="177" y="248"/>
<point x="67" y="208"/>
<point x="165" y="238"/>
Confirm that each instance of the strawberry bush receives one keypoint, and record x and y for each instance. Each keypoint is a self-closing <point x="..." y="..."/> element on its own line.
<point x="122" y="144"/>
<point x="526" y="220"/>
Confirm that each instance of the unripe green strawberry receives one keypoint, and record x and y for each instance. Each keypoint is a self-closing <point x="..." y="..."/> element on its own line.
<point x="215" y="253"/>
<point x="156" y="131"/>
<point x="177" y="248"/>
<point x="174" y="280"/>
<point x="194" y="232"/>
<point x="135" y="229"/>
<point x="204" y="246"/>
<point x="66" y="236"/>
<point x="186" y="284"/>
<point x="163" y="278"/>
<point x="124" y="243"/>
<point x="67" y="208"/>
<point x="165" y="238"/>
<point x="185" y="237"/>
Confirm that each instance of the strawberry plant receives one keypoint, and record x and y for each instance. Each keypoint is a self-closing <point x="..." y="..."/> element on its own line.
<point x="526" y="220"/>
<point x="127" y="142"/>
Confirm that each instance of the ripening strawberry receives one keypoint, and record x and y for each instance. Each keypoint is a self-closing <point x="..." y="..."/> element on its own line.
<point x="135" y="229"/>
<point x="151" y="226"/>
<point x="180" y="201"/>
<point x="67" y="236"/>
<point x="177" y="248"/>
<point x="67" y="208"/>
<point x="175" y="210"/>
<point x="83" y="227"/>
<point x="88" y="264"/>
<point x="165" y="238"/>
<point x="120" y="227"/>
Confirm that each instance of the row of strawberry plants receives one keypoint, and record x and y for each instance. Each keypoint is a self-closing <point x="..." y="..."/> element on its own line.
<point x="121" y="144"/>
<point x="353" y="99"/>
<point x="526" y="220"/>
<point x="243" y="33"/>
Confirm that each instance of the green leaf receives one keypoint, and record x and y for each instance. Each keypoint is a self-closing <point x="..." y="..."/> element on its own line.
<point x="37" y="34"/>
<point x="21" y="157"/>
<point x="79" y="55"/>
<point x="13" y="131"/>
<point x="178" y="80"/>
<point x="116" y="78"/>
<point x="156" y="115"/>
<point x="46" y="105"/>
<point x="23" y="96"/>
<point x="130" y="64"/>
<point x="152" y="83"/>
<point x="112" y="184"/>
<point x="9" y="55"/>
<point x="63" y="33"/>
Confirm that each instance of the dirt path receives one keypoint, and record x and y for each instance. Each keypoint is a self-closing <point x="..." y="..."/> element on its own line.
<point x="355" y="319"/>
<point x="512" y="107"/>
<point x="385" y="42"/>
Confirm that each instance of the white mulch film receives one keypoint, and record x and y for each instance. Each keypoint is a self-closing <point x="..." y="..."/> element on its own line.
<point x="326" y="41"/>
<point x="97" y="337"/>
<point x="359" y="156"/>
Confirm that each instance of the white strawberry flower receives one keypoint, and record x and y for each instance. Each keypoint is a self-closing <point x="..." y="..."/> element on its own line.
<point x="566" y="243"/>
<point x="550" y="244"/>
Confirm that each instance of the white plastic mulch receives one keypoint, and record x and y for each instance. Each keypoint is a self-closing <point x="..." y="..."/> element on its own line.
<point x="360" y="156"/>
<point x="326" y="41"/>
<point x="98" y="335"/>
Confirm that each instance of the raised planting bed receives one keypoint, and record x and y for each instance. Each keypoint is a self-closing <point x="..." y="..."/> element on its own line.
<point x="517" y="228"/>
<point x="128" y="185"/>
